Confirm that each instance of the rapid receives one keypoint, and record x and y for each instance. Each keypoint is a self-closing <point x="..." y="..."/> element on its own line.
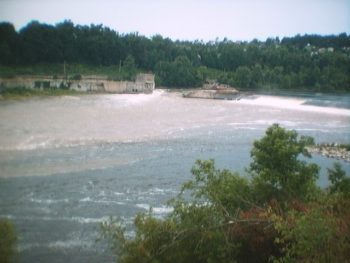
<point x="68" y="163"/>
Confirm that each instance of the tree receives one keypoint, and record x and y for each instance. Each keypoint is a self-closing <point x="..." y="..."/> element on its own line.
<point x="8" y="44"/>
<point x="67" y="41"/>
<point x="39" y="44"/>
<point x="189" y="234"/>
<point x="207" y="224"/>
<point x="179" y="73"/>
<point x="129" y="67"/>
<point x="314" y="232"/>
<point x="308" y="62"/>
<point x="234" y="190"/>
<point x="243" y="77"/>
<point x="276" y="167"/>
<point x="217" y="216"/>
<point x="257" y="77"/>
<point x="340" y="183"/>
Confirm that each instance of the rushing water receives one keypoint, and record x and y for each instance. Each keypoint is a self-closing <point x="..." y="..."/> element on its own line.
<point x="69" y="163"/>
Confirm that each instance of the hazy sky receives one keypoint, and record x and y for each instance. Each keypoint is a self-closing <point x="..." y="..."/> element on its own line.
<point x="190" y="19"/>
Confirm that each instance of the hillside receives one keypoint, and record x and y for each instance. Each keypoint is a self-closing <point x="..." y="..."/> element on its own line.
<point x="310" y="62"/>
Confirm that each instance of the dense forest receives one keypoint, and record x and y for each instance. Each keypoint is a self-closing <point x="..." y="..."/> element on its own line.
<point x="309" y="62"/>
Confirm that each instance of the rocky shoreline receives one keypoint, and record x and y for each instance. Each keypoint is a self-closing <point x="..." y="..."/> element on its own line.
<point x="334" y="151"/>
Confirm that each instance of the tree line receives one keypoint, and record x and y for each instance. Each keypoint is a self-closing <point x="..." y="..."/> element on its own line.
<point x="309" y="62"/>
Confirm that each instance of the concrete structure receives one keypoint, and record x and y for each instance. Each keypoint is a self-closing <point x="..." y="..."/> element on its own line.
<point x="214" y="90"/>
<point x="228" y="94"/>
<point x="144" y="83"/>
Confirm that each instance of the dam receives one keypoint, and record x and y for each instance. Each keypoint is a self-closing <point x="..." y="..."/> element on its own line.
<point x="144" y="83"/>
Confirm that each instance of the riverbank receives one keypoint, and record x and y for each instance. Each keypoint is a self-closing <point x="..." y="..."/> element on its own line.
<point x="333" y="150"/>
<point x="23" y="93"/>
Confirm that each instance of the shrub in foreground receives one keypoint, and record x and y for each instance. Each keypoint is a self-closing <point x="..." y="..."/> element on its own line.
<point x="278" y="214"/>
<point x="8" y="241"/>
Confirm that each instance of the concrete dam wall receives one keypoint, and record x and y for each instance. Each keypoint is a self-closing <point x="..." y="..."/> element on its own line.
<point x="144" y="83"/>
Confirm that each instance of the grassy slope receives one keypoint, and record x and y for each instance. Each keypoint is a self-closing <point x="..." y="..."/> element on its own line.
<point x="22" y="93"/>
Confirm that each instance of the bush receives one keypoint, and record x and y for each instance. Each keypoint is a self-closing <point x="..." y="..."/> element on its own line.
<point x="217" y="217"/>
<point x="8" y="241"/>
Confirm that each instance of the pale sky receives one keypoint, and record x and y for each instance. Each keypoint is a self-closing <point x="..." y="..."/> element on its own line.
<point x="190" y="19"/>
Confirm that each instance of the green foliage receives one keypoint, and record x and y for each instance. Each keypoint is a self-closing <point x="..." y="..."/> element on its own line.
<point x="218" y="218"/>
<point x="76" y="77"/>
<point x="129" y="67"/>
<point x="340" y="183"/>
<point x="345" y="146"/>
<point x="194" y="230"/>
<point x="243" y="77"/>
<point x="8" y="43"/>
<point x="310" y="62"/>
<point x="8" y="241"/>
<point x="276" y="167"/>
<point x="179" y="73"/>
<point x="20" y="92"/>
<point x="201" y="227"/>
<point x="315" y="232"/>
<point x="235" y="192"/>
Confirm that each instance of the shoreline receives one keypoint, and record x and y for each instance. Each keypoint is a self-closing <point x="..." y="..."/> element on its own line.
<point x="290" y="100"/>
<point x="22" y="94"/>
<point x="332" y="151"/>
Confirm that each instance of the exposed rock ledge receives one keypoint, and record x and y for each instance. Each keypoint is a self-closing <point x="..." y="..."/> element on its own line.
<point x="335" y="151"/>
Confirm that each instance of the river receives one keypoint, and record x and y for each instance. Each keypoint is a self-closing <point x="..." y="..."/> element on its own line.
<point x="68" y="163"/>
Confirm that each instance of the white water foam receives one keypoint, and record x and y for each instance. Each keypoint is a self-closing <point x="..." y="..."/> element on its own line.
<point x="49" y="201"/>
<point x="88" y="199"/>
<point x="130" y="99"/>
<point x="143" y="206"/>
<point x="160" y="191"/>
<point x="290" y="104"/>
<point x="81" y="220"/>
<point x="69" y="244"/>
<point x="60" y="123"/>
<point x="160" y="210"/>
<point x="62" y="244"/>
<point x="87" y="220"/>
